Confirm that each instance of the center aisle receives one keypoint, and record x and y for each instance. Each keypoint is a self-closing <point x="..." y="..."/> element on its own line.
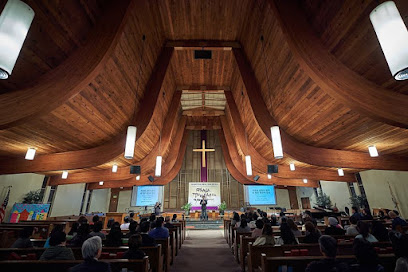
<point x="205" y="250"/>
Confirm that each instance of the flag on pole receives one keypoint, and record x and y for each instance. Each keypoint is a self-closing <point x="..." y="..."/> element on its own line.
<point x="4" y="206"/>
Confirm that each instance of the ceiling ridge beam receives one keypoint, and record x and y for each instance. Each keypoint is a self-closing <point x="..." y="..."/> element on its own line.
<point x="299" y="151"/>
<point x="202" y="44"/>
<point x="343" y="84"/>
<point x="99" y="155"/>
<point x="72" y="76"/>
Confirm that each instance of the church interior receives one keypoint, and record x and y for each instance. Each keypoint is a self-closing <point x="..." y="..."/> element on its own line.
<point x="265" y="135"/>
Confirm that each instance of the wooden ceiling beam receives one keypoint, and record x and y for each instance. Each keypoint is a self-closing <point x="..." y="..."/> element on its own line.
<point x="340" y="82"/>
<point x="203" y="45"/>
<point x="200" y="112"/>
<point x="198" y="127"/>
<point x="96" y="156"/>
<point x="171" y="167"/>
<point x="203" y="88"/>
<point x="301" y="152"/>
<point x="68" y="79"/>
<point x="261" y="163"/>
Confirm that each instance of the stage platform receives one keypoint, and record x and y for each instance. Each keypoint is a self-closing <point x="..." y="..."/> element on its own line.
<point x="193" y="224"/>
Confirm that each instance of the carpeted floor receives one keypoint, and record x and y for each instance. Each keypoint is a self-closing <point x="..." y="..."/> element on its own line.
<point x="205" y="250"/>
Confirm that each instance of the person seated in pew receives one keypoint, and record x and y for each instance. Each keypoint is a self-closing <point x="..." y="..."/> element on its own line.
<point x="23" y="240"/>
<point x="334" y="228"/>
<point x="74" y="229"/>
<point x="131" y="215"/>
<point x="352" y="229"/>
<point x="355" y="213"/>
<point x="243" y="227"/>
<point x="97" y="230"/>
<point x="366" y="214"/>
<point x="82" y="220"/>
<point x="144" y="232"/>
<point x="114" y="238"/>
<point x="293" y="227"/>
<point x="400" y="246"/>
<point x="379" y="231"/>
<point x="132" y="229"/>
<point x="312" y="234"/>
<point x="125" y="225"/>
<point x="286" y="233"/>
<point x="159" y="231"/>
<point x="364" y="230"/>
<point x="383" y="216"/>
<point x="274" y="221"/>
<point x="174" y="219"/>
<point x="266" y="238"/>
<point x="57" y="249"/>
<point x="252" y="222"/>
<point x="168" y="224"/>
<point x="135" y="242"/>
<point x="328" y="248"/>
<point x="95" y="219"/>
<point x="396" y="220"/>
<point x="259" y="228"/>
<point x="56" y="228"/>
<point x="235" y="220"/>
<point x="81" y="236"/>
<point x="366" y="256"/>
<point x="91" y="251"/>
<point x="152" y="220"/>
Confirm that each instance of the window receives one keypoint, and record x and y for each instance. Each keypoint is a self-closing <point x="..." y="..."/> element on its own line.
<point x="51" y="197"/>
<point x="83" y="199"/>
<point x="351" y="189"/>
<point x="89" y="201"/>
<point x="361" y="188"/>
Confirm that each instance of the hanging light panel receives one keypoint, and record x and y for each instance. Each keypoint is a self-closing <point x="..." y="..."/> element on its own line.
<point x="64" y="174"/>
<point x="393" y="37"/>
<point x="157" y="172"/>
<point x="276" y="142"/>
<point x="15" y="20"/>
<point x="373" y="151"/>
<point x="292" y="167"/>
<point x="340" y="171"/>
<point x="30" y="154"/>
<point x="115" y="168"/>
<point x="304" y="180"/>
<point x="101" y="183"/>
<point x="248" y="165"/>
<point x="130" y="142"/>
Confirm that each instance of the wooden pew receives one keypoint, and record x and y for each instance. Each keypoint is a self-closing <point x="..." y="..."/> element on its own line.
<point x="237" y="242"/>
<point x="165" y="243"/>
<point x="173" y="245"/>
<point x="8" y="236"/>
<point x="245" y="240"/>
<point x="227" y="222"/>
<point x="52" y="266"/>
<point x="271" y="264"/>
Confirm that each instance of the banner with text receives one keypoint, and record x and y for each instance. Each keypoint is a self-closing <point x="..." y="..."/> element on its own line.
<point x="212" y="193"/>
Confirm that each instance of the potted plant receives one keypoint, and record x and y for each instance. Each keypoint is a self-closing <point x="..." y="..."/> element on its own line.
<point x="358" y="201"/>
<point x="222" y="207"/>
<point x="33" y="197"/>
<point x="186" y="207"/>
<point x="323" y="200"/>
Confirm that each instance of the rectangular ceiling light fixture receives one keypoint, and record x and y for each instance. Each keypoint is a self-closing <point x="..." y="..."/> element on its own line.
<point x="30" y="154"/>
<point x="248" y="165"/>
<point x="130" y="142"/>
<point x="276" y="142"/>
<point x="304" y="180"/>
<point x="373" y="151"/>
<point x="157" y="172"/>
<point x="101" y="183"/>
<point x="64" y="174"/>
<point x="341" y="172"/>
<point x="292" y="167"/>
<point x="115" y="168"/>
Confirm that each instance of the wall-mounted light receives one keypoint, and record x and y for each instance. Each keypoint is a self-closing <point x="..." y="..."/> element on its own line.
<point x="292" y="167"/>
<point x="101" y="183"/>
<point x="157" y="172"/>
<point x="304" y="180"/>
<point x="393" y="37"/>
<point x="30" y="154"/>
<point x="373" y="151"/>
<point x="114" y="168"/>
<point x="276" y="142"/>
<point x="64" y="174"/>
<point x="340" y="171"/>
<point x="248" y="165"/>
<point x="130" y="142"/>
<point x="15" y="21"/>
<point x="137" y="177"/>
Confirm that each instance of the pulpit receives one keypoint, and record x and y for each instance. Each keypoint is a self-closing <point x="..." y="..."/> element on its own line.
<point x="118" y="217"/>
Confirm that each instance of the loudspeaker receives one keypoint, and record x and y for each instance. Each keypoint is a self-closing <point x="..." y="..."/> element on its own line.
<point x="272" y="169"/>
<point x="135" y="169"/>
<point x="256" y="178"/>
<point x="151" y="178"/>
<point x="202" y="54"/>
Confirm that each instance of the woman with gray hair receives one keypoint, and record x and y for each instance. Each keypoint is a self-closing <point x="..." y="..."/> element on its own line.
<point x="91" y="251"/>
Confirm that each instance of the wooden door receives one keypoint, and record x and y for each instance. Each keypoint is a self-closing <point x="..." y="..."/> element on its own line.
<point x="305" y="203"/>
<point x="294" y="204"/>
<point x="113" y="203"/>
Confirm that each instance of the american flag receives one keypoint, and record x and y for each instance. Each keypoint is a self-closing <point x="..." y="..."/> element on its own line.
<point x="4" y="206"/>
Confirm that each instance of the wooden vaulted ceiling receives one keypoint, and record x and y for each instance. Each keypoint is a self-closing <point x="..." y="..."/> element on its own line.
<point x="86" y="72"/>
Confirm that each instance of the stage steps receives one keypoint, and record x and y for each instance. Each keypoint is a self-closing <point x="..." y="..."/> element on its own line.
<point x="203" y="225"/>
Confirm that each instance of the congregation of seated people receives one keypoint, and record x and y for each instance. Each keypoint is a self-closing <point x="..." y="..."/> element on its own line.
<point x="362" y="229"/>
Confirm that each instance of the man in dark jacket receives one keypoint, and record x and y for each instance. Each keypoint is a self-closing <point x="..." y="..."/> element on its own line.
<point x="91" y="251"/>
<point x="144" y="232"/>
<point x="57" y="249"/>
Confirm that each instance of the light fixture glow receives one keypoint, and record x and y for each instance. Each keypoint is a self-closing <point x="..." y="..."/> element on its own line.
<point x="393" y="37"/>
<point x="269" y="176"/>
<point x="340" y="171"/>
<point x="114" y="168"/>
<point x="292" y="167"/>
<point x="276" y="142"/>
<point x="30" y="154"/>
<point x="248" y="165"/>
<point x="130" y="142"/>
<point x="304" y="180"/>
<point x="373" y="151"/>
<point x="157" y="172"/>
<point x="137" y="177"/>
<point x="101" y="183"/>
<point x="64" y="174"/>
<point x="15" y="20"/>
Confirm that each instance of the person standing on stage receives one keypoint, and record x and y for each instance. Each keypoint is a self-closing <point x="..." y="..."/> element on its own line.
<point x="157" y="208"/>
<point x="203" y="204"/>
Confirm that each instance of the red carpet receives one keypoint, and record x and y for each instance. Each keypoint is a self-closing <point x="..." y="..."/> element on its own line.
<point x="207" y="251"/>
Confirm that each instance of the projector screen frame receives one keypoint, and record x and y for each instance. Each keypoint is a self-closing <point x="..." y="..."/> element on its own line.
<point x="133" y="197"/>
<point x="246" y="194"/>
